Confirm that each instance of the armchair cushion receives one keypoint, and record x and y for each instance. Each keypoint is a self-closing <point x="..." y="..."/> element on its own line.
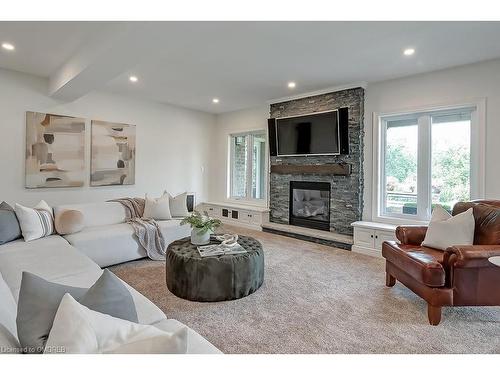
<point x="421" y="263"/>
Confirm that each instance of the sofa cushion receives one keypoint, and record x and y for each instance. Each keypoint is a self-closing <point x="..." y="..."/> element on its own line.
<point x="9" y="225"/>
<point x="422" y="263"/>
<point x="112" y="244"/>
<point x="103" y="213"/>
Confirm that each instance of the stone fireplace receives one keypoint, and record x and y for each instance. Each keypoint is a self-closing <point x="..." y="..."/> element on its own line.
<point x="310" y="204"/>
<point x="343" y="174"/>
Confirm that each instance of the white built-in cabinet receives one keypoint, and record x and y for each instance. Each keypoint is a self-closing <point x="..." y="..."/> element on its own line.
<point x="369" y="236"/>
<point x="237" y="214"/>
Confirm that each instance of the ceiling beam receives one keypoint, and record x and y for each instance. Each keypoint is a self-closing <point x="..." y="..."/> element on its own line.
<point x="103" y="58"/>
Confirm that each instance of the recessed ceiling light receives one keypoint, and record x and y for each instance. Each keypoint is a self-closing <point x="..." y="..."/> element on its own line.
<point x="133" y="79"/>
<point x="8" y="46"/>
<point x="409" y="51"/>
<point x="291" y="85"/>
<point x="215" y="100"/>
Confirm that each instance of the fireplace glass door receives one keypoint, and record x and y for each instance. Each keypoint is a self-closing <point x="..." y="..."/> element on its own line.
<point x="310" y="204"/>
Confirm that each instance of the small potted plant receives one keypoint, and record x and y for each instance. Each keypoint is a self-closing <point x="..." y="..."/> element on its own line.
<point x="202" y="227"/>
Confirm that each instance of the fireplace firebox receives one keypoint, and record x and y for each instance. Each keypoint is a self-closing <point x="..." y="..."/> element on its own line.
<point x="310" y="204"/>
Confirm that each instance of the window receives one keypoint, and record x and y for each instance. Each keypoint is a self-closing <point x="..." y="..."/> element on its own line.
<point x="425" y="159"/>
<point x="248" y="166"/>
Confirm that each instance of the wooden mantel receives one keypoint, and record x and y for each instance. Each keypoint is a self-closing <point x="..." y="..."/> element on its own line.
<point x="337" y="169"/>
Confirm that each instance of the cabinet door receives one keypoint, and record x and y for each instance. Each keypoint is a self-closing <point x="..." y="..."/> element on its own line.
<point x="249" y="217"/>
<point x="244" y="216"/>
<point x="381" y="236"/>
<point x="364" y="237"/>
<point x="213" y="211"/>
<point x="254" y="218"/>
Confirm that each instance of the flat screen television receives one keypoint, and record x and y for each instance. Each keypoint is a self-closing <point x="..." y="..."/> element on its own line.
<point x="313" y="134"/>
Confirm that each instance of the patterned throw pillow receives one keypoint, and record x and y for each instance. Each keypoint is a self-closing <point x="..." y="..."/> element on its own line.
<point x="35" y="222"/>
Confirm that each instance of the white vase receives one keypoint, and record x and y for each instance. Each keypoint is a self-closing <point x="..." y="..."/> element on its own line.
<point x="199" y="238"/>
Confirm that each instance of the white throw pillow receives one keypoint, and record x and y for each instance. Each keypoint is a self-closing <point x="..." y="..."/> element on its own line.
<point x="36" y="222"/>
<point x="178" y="205"/>
<point x="445" y="230"/>
<point x="77" y="329"/>
<point x="157" y="208"/>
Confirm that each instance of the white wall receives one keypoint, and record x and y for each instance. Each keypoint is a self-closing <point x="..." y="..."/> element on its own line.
<point x="230" y="123"/>
<point x="172" y="147"/>
<point x="450" y="86"/>
<point x="461" y="84"/>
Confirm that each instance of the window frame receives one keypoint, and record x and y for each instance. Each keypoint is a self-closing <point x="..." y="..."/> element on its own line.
<point x="423" y="114"/>
<point x="248" y="187"/>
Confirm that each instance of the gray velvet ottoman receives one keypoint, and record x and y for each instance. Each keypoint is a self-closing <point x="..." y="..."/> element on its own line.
<point x="218" y="278"/>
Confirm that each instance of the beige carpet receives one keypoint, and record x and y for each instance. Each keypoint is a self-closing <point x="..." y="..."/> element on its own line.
<point x="316" y="299"/>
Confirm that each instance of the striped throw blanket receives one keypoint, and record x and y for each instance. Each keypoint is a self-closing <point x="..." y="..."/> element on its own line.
<point x="146" y="230"/>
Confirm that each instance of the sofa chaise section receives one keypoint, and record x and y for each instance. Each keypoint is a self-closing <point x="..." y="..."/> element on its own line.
<point x="107" y="239"/>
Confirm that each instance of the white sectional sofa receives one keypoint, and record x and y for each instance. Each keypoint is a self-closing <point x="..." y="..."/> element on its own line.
<point x="107" y="239"/>
<point x="55" y="259"/>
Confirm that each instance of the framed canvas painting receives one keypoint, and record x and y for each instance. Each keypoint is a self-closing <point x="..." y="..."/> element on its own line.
<point x="55" y="151"/>
<point x="113" y="154"/>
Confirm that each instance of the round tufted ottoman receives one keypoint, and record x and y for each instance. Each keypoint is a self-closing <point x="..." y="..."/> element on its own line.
<point x="217" y="278"/>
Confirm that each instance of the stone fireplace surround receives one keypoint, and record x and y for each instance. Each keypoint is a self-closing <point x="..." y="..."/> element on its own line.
<point x="346" y="202"/>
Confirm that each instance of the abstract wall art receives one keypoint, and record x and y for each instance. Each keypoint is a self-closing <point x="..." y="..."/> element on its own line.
<point x="113" y="154"/>
<point x="55" y="151"/>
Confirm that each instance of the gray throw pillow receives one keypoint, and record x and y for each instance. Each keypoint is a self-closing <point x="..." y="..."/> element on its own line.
<point x="110" y="296"/>
<point x="39" y="300"/>
<point x="9" y="226"/>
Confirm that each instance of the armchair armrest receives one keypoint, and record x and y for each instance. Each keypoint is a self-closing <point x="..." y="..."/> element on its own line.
<point x="473" y="256"/>
<point x="411" y="234"/>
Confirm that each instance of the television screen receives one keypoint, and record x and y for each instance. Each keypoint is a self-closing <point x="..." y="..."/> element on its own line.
<point x="308" y="135"/>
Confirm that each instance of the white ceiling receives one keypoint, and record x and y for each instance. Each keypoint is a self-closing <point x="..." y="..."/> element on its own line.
<point x="243" y="63"/>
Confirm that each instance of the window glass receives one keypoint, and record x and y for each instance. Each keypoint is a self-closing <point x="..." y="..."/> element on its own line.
<point x="401" y="154"/>
<point x="239" y="167"/>
<point x="426" y="161"/>
<point x="258" y="165"/>
<point x="450" y="159"/>
<point x="248" y="166"/>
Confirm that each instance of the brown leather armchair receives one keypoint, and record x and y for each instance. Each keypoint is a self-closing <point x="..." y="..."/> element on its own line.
<point x="458" y="276"/>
